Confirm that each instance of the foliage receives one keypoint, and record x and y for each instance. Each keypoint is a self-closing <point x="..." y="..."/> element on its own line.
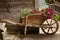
<point x="57" y="17"/>
<point x="24" y="13"/>
<point x="44" y="13"/>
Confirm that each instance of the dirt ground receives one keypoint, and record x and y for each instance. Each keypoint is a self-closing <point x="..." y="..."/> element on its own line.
<point x="41" y="36"/>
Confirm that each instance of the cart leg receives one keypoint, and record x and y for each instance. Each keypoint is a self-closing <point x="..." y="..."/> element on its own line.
<point x="25" y="31"/>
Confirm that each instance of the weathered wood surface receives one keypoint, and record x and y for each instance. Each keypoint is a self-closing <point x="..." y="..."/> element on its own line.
<point x="29" y="20"/>
<point x="9" y="21"/>
<point x="32" y="19"/>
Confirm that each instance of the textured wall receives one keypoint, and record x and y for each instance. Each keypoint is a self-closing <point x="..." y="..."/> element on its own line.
<point x="13" y="14"/>
<point x="15" y="9"/>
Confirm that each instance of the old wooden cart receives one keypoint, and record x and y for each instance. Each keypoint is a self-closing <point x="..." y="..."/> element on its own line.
<point x="48" y="26"/>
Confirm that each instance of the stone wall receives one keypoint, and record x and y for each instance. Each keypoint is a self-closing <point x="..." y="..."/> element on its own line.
<point x="14" y="14"/>
<point x="15" y="9"/>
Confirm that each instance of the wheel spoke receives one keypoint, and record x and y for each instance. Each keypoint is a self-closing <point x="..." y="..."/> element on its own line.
<point x="51" y="29"/>
<point x="47" y="22"/>
<point x="54" y="23"/>
<point x="45" y="28"/>
<point x="48" y="30"/>
<point x="51" y="21"/>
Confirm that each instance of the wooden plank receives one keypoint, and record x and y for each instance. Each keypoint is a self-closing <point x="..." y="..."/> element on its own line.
<point x="12" y="22"/>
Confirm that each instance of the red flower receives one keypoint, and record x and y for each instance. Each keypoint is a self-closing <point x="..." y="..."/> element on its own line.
<point x="49" y="11"/>
<point x="42" y="14"/>
<point x="35" y="11"/>
<point x="48" y="17"/>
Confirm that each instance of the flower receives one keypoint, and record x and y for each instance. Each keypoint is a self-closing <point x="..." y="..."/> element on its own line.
<point x="48" y="17"/>
<point x="35" y="11"/>
<point x="49" y="11"/>
<point x="42" y="14"/>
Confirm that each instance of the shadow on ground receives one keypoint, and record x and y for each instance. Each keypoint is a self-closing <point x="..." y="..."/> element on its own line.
<point x="40" y="37"/>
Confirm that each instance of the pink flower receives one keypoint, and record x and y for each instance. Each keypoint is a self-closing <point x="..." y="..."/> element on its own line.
<point x="48" y="17"/>
<point x="42" y="14"/>
<point x="49" y="11"/>
<point x="35" y="11"/>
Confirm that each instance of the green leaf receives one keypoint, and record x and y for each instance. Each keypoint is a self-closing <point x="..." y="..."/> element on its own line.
<point x="57" y="17"/>
<point x="25" y="13"/>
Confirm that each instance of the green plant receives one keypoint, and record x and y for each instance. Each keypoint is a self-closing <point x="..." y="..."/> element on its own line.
<point x="57" y="17"/>
<point x="24" y="13"/>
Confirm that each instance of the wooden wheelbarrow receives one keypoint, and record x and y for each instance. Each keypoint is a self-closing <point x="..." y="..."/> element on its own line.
<point x="35" y="20"/>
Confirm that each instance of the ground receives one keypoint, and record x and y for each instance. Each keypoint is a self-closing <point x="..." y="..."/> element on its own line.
<point x="40" y="36"/>
<point x="35" y="37"/>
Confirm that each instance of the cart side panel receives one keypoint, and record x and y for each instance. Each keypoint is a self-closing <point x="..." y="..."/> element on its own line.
<point x="33" y="20"/>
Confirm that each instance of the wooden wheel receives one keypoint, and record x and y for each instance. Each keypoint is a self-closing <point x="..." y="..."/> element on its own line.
<point x="50" y="26"/>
